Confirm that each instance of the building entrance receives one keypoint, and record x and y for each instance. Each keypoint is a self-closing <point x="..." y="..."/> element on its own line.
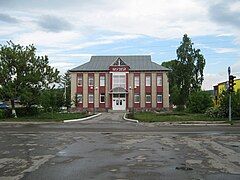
<point x="119" y="102"/>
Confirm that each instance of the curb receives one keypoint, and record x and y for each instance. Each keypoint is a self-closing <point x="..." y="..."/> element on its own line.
<point x="131" y="120"/>
<point x="82" y="119"/>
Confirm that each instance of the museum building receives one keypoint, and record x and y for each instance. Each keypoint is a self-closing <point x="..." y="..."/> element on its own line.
<point x="120" y="83"/>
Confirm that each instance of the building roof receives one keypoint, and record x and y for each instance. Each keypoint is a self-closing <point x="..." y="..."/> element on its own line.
<point x="102" y="63"/>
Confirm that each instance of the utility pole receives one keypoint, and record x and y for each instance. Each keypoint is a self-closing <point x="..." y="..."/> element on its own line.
<point x="230" y="98"/>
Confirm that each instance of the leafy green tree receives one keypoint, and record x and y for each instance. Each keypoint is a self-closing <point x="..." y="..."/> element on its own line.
<point x="52" y="99"/>
<point x="187" y="72"/>
<point x="23" y="74"/>
<point x="199" y="102"/>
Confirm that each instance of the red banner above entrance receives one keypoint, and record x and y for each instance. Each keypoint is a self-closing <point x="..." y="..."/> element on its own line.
<point x="119" y="68"/>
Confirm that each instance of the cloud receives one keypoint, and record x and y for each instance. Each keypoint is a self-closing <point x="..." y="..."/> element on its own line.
<point x="54" y="24"/>
<point x="211" y="79"/>
<point x="226" y="12"/>
<point x="225" y="50"/>
<point x="8" y="19"/>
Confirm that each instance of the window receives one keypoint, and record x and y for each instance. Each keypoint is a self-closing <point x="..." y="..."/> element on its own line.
<point x="90" y="98"/>
<point x="136" y="98"/>
<point x="119" y="81"/>
<point x="148" y="80"/>
<point x="80" y="80"/>
<point x="79" y="98"/>
<point x="90" y="80"/>
<point x="148" y="98"/>
<point x="159" y="98"/>
<point x="102" y="80"/>
<point x="136" y="81"/>
<point x="159" y="80"/>
<point x="102" y="98"/>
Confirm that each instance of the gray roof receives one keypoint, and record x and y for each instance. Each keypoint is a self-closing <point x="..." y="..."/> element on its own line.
<point x="102" y="63"/>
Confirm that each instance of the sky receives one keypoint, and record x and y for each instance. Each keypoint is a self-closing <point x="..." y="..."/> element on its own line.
<point x="70" y="32"/>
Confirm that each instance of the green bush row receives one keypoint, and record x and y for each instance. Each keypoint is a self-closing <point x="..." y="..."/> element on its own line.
<point x="21" y="112"/>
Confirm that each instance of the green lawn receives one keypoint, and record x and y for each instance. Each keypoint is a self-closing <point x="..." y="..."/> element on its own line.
<point x="47" y="117"/>
<point x="173" y="116"/>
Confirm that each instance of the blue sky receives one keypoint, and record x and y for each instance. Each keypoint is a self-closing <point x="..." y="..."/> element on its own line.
<point x="69" y="32"/>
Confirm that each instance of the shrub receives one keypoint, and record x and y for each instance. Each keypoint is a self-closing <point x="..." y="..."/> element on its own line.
<point x="199" y="102"/>
<point x="216" y="112"/>
<point x="27" y="111"/>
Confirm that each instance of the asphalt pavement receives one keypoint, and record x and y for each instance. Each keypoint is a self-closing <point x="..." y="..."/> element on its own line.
<point x="108" y="147"/>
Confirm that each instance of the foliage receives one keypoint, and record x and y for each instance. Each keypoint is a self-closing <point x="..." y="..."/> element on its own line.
<point x="66" y="82"/>
<point x="216" y="112"/>
<point x="199" y="101"/>
<point x="223" y="109"/>
<point x="52" y="99"/>
<point x="23" y="74"/>
<point x="187" y="72"/>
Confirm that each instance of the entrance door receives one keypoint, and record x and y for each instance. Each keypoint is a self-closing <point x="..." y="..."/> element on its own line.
<point x="119" y="102"/>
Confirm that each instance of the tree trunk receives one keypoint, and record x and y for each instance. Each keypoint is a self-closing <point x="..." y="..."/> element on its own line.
<point x="13" y="109"/>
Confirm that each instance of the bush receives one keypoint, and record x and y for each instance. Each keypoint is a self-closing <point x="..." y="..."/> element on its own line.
<point x="27" y="111"/>
<point x="199" y="102"/>
<point x="216" y="112"/>
<point x="5" y="113"/>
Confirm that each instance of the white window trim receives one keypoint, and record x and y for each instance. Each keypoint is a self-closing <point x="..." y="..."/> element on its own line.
<point x="161" y="98"/>
<point x="103" y="81"/>
<point x="149" y="81"/>
<point x="89" y="98"/>
<point x="80" y="94"/>
<point x="89" y="81"/>
<point x="138" y="96"/>
<point x="149" y="98"/>
<point x="158" y="81"/>
<point x="135" y="81"/>
<point x="101" y="98"/>
<point x="78" y="81"/>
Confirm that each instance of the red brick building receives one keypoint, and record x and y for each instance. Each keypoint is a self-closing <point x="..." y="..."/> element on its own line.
<point x="120" y="83"/>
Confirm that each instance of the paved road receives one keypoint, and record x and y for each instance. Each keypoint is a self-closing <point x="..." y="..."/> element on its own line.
<point x="107" y="147"/>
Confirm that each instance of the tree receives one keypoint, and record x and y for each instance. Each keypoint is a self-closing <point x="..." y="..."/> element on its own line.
<point x="66" y="81"/>
<point x="187" y="72"/>
<point x="52" y="99"/>
<point x="199" y="102"/>
<point x="23" y="74"/>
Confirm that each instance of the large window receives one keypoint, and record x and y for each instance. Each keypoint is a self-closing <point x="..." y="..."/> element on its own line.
<point x="79" y="98"/>
<point x="148" y="98"/>
<point x="159" y="80"/>
<point x="102" y="98"/>
<point x="148" y="80"/>
<point x="119" y="81"/>
<point x="159" y="98"/>
<point x="136" y="98"/>
<point x="90" y="80"/>
<point x="80" y="80"/>
<point x="136" y="81"/>
<point x="90" y="98"/>
<point x="102" y="80"/>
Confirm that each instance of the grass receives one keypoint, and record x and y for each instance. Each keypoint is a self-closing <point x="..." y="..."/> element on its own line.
<point x="47" y="117"/>
<point x="173" y="117"/>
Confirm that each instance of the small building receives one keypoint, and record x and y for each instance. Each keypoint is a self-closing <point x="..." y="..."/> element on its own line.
<point x="222" y="87"/>
<point x="120" y="83"/>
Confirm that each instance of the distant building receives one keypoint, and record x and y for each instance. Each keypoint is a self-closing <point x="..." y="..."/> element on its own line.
<point x="120" y="83"/>
<point x="223" y="87"/>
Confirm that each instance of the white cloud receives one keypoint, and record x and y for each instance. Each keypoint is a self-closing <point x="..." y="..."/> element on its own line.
<point x="225" y="50"/>
<point x="211" y="80"/>
<point x="48" y="39"/>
